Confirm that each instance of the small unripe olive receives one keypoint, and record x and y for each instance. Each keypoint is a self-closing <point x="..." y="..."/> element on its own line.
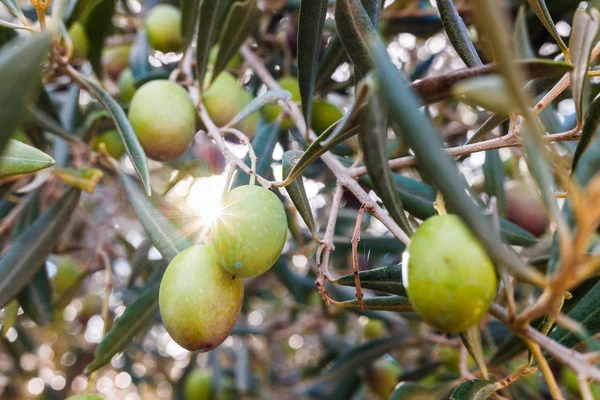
<point x="224" y="99"/>
<point x="112" y="141"/>
<point x="272" y="111"/>
<point x="525" y="208"/>
<point x="323" y="116"/>
<point x="68" y="270"/>
<point x="115" y="59"/>
<point x="199" y="301"/>
<point x="126" y="86"/>
<point x="382" y="377"/>
<point x="199" y="385"/>
<point x="374" y="328"/>
<point x="450" y="358"/>
<point x="163" y="118"/>
<point x="450" y="280"/>
<point x="163" y="26"/>
<point x="79" y="39"/>
<point x="250" y="232"/>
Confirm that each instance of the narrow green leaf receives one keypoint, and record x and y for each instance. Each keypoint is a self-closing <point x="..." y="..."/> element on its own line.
<point x="269" y="97"/>
<point x="241" y="20"/>
<point x="354" y="28"/>
<point x="385" y="303"/>
<point x="27" y="254"/>
<point x="97" y="22"/>
<point x="493" y="173"/>
<point x="475" y="389"/>
<point x="521" y="40"/>
<point x="334" y="56"/>
<point x="139" y="54"/>
<point x="438" y="88"/>
<point x="46" y="122"/>
<point x="360" y="356"/>
<point x="36" y="297"/>
<point x="477" y="91"/>
<point x="135" y="317"/>
<point x="210" y="15"/>
<point x="590" y="127"/>
<point x="458" y="33"/>
<point x="310" y="31"/>
<point x="11" y="311"/>
<point x="428" y="147"/>
<point x="373" y="136"/>
<point x="164" y="235"/>
<point x="471" y="339"/>
<point x="189" y="19"/>
<point x="489" y="125"/>
<point x="20" y="158"/>
<point x="541" y="10"/>
<point x="583" y="35"/>
<point x="14" y="8"/>
<point x="385" y="279"/>
<point x="132" y="144"/>
<point x="297" y="192"/>
<point x="20" y="59"/>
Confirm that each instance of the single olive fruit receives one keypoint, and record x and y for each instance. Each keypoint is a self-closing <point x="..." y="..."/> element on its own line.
<point x="199" y="301"/>
<point x="382" y="377"/>
<point x="525" y="208"/>
<point x="224" y="99"/>
<point x="199" y="385"/>
<point x="126" y="85"/>
<point x="323" y="116"/>
<point x="250" y="232"/>
<point x="374" y="328"/>
<point x="450" y="358"/>
<point x="272" y="111"/>
<point x="163" y="26"/>
<point x="115" y="59"/>
<point x="163" y="118"/>
<point x="112" y="141"/>
<point x="68" y="270"/>
<point x="449" y="278"/>
<point x="79" y="39"/>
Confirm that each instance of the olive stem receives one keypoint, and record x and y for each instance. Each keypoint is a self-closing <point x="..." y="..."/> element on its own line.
<point x="545" y="369"/>
<point x="355" y="270"/>
<point x="341" y="173"/>
<point x="251" y="153"/>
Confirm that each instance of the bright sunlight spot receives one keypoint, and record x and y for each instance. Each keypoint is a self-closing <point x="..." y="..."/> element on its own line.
<point x="205" y="198"/>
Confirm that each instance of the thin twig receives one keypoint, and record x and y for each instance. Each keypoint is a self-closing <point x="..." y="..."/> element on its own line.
<point x="355" y="269"/>
<point x="545" y="369"/>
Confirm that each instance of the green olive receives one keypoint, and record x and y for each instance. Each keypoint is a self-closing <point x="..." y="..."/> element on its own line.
<point x="382" y="377"/>
<point x="163" y="117"/>
<point x="250" y="232"/>
<point x="115" y="59"/>
<point x="374" y="328"/>
<point x="68" y="270"/>
<point x="272" y="111"/>
<point x="323" y="116"/>
<point x="525" y="208"/>
<point x="450" y="279"/>
<point x="163" y="26"/>
<point x="450" y="358"/>
<point x="126" y="86"/>
<point x="112" y="141"/>
<point x="199" y="301"/>
<point x="80" y="41"/>
<point x="224" y="99"/>
<point x="199" y="385"/>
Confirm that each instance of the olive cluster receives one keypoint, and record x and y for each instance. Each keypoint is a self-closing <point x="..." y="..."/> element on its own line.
<point x="202" y="291"/>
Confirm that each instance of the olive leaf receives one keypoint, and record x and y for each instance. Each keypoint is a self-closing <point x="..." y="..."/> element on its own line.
<point x="28" y="253"/>
<point x="138" y="56"/>
<point x="380" y="303"/>
<point x="373" y="136"/>
<point x="435" y="161"/>
<point x="36" y="297"/>
<point x="583" y="34"/>
<point x="458" y="33"/>
<point x="590" y="127"/>
<point x="521" y="40"/>
<point x="477" y="91"/>
<point x="475" y="389"/>
<point x="132" y="144"/>
<point x="354" y="26"/>
<point x="385" y="279"/>
<point x="20" y="158"/>
<point x="210" y="15"/>
<point x="135" y="317"/>
<point x="20" y="59"/>
<point x="242" y="19"/>
<point x="11" y="311"/>
<point x="471" y="339"/>
<point x="189" y="19"/>
<point x="488" y="125"/>
<point x="541" y="10"/>
<point x="48" y="123"/>
<point x="334" y="56"/>
<point x="493" y="173"/>
<point x="310" y="30"/>
<point x="14" y="8"/>
<point x="96" y="18"/>
<point x="297" y="192"/>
